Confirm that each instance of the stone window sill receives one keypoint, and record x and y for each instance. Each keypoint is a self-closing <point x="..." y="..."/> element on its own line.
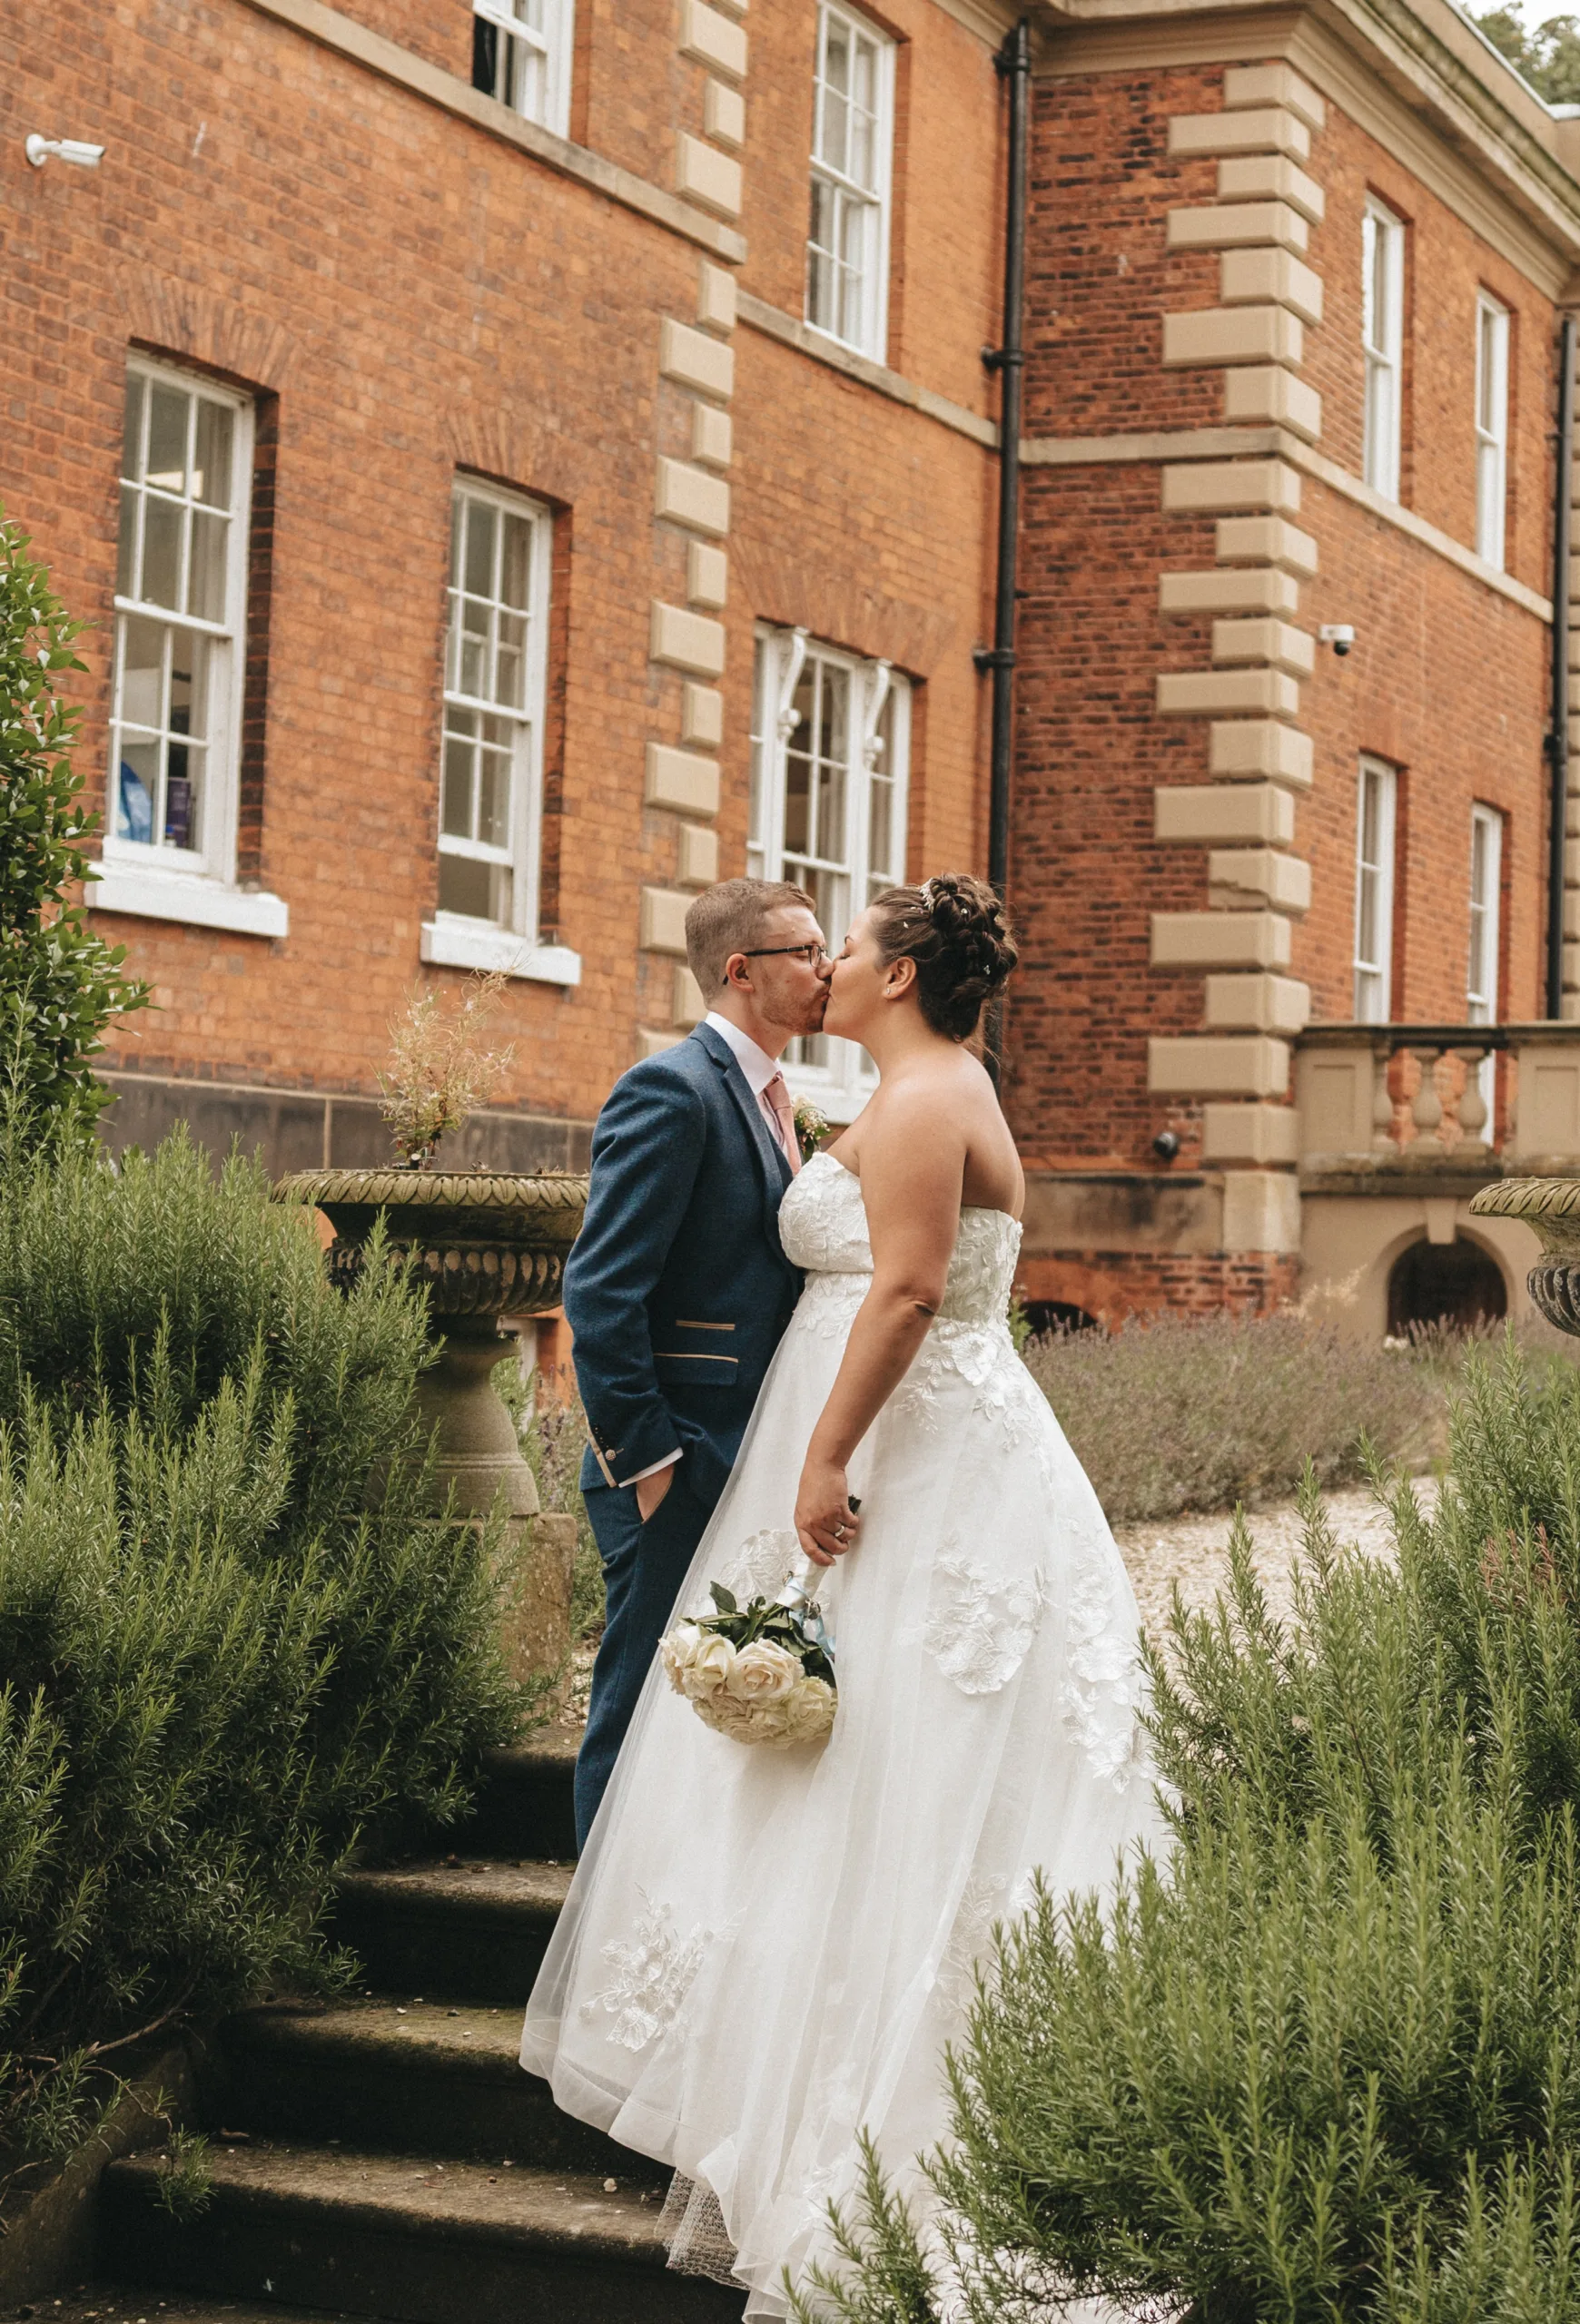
<point x="460" y="944"/>
<point x="146" y="892"/>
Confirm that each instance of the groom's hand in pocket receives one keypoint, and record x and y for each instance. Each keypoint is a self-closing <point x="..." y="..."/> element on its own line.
<point x="650" y="1490"/>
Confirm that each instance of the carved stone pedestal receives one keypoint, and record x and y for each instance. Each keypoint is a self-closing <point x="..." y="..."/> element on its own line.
<point x="487" y="1246"/>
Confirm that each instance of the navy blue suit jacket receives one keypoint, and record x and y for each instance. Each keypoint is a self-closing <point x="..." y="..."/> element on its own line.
<point x="677" y="1291"/>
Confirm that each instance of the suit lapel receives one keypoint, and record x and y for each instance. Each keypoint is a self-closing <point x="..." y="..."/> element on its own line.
<point x="771" y="1163"/>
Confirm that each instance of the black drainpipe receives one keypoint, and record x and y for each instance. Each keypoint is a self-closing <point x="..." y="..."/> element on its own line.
<point x="1558" y="739"/>
<point x="1014" y="64"/>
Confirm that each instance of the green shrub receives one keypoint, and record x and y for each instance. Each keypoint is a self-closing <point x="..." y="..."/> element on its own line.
<point x="60" y="983"/>
<point x="1325" y="2066"/>
<point x="233" y="1641"/>
<point x="1200" y="1412"/>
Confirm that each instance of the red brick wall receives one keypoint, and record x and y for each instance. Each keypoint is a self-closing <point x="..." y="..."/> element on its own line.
<point x="411" y="296"/>
<point x="1100" y="274"/>
<point x="1086" y="872"/>
<point x="1448" y="682"/>
<point x="946" y="248"/>
<point x="1447" y="265"/>
<point x="1113" y="1287"/>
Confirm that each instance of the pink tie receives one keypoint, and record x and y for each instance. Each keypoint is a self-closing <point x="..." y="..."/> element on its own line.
<point x="778" y="1096"/>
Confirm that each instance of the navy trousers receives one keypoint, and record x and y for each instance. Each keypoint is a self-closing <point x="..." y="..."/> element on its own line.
<point x="643" y="1567"/>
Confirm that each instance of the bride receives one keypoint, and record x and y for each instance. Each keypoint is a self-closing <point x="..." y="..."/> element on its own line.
<point x="764" y="1953"/>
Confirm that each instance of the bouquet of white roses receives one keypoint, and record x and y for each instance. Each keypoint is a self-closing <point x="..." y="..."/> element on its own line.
<point x="762" y="1672"/>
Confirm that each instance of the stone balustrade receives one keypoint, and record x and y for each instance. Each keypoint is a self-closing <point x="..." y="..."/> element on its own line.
<point x="1468" y="1100"/>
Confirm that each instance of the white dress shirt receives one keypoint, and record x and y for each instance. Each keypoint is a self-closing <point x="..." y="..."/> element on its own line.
<point x="759" y="1069"/>
<point x="757" y="1066"/>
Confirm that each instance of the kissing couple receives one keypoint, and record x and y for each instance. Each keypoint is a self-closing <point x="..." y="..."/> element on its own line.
<point x="764" y="1953"/>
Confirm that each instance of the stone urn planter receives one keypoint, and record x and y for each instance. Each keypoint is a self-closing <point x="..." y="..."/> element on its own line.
<point x="1551" y="1207"/>
<point x="487" y="1245"/>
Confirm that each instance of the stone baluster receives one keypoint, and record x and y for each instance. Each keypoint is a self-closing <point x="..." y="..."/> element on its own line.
<point x="1427" y="1109"/>
<point x="1382" y="1103"/>
<point x="1472" y="1108"/>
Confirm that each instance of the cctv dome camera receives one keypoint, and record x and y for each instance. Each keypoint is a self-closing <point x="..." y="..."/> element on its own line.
<point x="1340" y="635"/>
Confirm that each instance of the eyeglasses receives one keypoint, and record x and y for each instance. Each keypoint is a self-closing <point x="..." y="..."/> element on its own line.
<point x="810" y="953"/>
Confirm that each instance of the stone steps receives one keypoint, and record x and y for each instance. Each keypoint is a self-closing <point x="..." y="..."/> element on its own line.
<point x="437" y="2077"/>
<point x="469" y="1930"/>
<point x="386" y="2157"/>
<point x="409" y="2238"/>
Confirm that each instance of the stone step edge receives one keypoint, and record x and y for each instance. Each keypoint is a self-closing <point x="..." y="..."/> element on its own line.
<point x="432" y="1888"/>
<point x="553" y="2212"/>
<point x="367" y="2035"/>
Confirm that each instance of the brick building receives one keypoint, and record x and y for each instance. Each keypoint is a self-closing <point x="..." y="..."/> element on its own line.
<point x="523" y="461"/>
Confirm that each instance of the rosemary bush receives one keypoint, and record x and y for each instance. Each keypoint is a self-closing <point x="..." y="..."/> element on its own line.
<point x="1325" y="2066"/>
<point x="233" y="1643"/>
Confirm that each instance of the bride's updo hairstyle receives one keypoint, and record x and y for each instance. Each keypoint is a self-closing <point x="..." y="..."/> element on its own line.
<point x="954" y="927"/>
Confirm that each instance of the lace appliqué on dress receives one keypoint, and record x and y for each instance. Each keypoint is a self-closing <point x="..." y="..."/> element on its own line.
<point x="761" y="1566"/>
<point x="980" y="1623"/>
<point x="1105" y="1690"/>
<point x="653" y="1975"/>
<point x="986" y="1900"/>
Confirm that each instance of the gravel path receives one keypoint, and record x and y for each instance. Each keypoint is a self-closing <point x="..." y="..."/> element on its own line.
<point x="1194" y="1550"/>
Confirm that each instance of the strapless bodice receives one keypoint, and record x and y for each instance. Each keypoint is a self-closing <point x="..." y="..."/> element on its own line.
<point x="822" y="1225"/>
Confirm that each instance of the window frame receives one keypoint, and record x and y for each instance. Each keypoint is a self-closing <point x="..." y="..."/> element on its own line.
<point x="213" y="863"/>
<point x="1492" y="319"/>
<point x="1383" y="350"/>
<point x="842" y="1086"/>
<point x="1377" y="971"/>
<point x="557" y="46"/>
<point x="873" y="339"/>
<point x="466" y="938"/>
<point x="1481" y="1007"/>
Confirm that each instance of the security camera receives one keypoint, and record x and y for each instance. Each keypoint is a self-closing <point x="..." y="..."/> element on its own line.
<point x="1166" y="1145"/>
<point x="1340" y="635"/>
<point x="74" y="150"/>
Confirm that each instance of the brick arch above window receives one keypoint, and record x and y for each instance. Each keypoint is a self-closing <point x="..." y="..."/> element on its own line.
<point x="500" y="445"/>
<point x="192" y="324"/>
<point x="880" y="628"/>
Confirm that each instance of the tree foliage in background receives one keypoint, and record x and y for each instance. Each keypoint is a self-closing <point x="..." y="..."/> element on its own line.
<point x="1325" y="2066"/>
<point x="60" y="984"/>
<point x="1548" y="57"/>
<point x="234" y="1641"/>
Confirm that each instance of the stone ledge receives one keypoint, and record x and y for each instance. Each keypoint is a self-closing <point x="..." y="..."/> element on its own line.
<point x="303" y="1129"/>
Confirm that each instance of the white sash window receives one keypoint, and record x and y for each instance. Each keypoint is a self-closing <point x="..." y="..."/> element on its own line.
<point x="490" y="792"/>
<point x="521" y="53"/>
<point x="1382" y="252"/>
<point x="1491" y="428"/>
<point x="852" y="136"/>
<point x="180" y="600"/>
<point x="1374" y="892"/>
<point x="830" y="762"/>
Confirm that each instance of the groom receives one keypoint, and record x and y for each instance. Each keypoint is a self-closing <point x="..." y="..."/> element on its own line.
<point x="677" y="1291"/>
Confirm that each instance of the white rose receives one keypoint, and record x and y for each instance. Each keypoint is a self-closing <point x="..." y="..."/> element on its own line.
<point x="812" y="1709"/>
<point x="678" y="1651"/>
<point x="764" y="1673"/>
<point x="710" y="1667"/>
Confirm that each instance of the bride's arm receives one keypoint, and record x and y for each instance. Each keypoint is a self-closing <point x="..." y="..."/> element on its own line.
<point x="913" y="1167"/>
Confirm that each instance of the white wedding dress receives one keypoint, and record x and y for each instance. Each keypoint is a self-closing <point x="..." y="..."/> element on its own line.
<point x="765" y="1952"/>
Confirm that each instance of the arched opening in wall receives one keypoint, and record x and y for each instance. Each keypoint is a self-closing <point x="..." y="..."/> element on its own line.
<point x="1058" y="1315"/>
<point x="1457" y="1283"/>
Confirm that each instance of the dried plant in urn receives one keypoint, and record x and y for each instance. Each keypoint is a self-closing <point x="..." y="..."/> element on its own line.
<point x="439" y="1070"/>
